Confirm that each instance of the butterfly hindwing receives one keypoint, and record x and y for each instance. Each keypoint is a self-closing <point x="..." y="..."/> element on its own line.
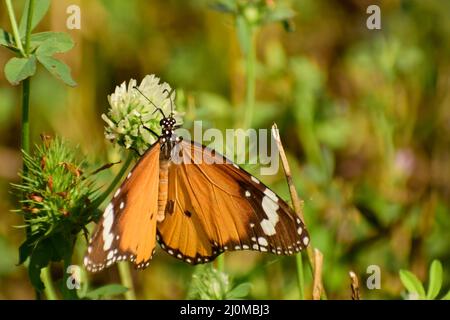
<point x="127" y="229"/>
<point x="218" y="206"/>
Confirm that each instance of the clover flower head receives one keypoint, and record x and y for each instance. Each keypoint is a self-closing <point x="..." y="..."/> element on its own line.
<point x="130" y="112"/>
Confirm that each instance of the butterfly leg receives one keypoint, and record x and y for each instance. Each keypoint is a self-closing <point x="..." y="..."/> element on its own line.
<point x="135" y="150"/>
<point x="151" y="131"/>
<point x="148" y="129"/>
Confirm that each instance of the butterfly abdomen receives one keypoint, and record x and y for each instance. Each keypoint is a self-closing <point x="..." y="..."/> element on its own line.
<point x="163" y="188"/>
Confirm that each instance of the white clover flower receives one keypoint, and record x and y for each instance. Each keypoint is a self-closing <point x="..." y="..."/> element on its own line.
<point x="130" y="111"/>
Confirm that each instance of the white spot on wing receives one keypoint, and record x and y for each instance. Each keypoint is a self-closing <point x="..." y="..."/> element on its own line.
<point x="270" y="207"/>
<point x="117" y="193"/>
<point x="299" y="230"/>
<point x="305" y="241"/>
<point x="268" y="227"/>
<point x="108" y="237"/>
<point x="247" y="193"/>
<point x="262" y="241"/>
<point x="129" y="175"/>
<point x="122" y="204"/>
<point x="270" y="194"/>
<point x="255" y="180"/>
<point x="110" y="255"/>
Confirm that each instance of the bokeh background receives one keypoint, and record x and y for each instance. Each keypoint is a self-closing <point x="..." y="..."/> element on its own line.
<point x="364" y="116"/>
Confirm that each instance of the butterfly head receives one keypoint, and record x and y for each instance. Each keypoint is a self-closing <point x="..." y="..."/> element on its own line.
<point x="168" y="125"/>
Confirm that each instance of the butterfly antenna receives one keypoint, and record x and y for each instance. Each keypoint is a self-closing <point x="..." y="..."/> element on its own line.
<point x="156" y="107"/>
<point x="170" y="99"/>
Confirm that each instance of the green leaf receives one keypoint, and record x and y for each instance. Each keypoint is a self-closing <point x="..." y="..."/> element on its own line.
<point x="412" y="283"/>
<point x="447" y="296"/>
<point x="49" y="43"/>
<point x="26" y="248"/>
<point x="24" y="252"/>
<point x="40" y="9"/>
<point x="435" y="280"/>
<point x="18" y="69"/>
<point x="58" y="69"/>
<point x="40" y="258"/>
<point x="6" y="38"/>
<point x="108" y="290"/>
<point x="62" y="245"/>
<point x="239" y="291"/>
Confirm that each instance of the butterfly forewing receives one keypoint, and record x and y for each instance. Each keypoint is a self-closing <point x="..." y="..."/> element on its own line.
<point x="218" y="206"/>
<point x="127" y="229"/>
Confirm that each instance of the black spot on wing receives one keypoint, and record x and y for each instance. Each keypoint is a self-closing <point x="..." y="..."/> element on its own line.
<point x="170" y="207"/>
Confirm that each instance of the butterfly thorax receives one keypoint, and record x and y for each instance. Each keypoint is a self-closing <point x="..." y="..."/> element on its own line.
<point x="168" y="141"/>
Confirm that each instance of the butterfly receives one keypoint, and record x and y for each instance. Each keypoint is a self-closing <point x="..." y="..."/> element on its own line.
<point x="194" y="209"/>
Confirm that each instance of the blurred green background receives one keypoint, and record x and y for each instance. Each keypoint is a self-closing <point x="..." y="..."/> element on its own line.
<point x="364" y="116"/>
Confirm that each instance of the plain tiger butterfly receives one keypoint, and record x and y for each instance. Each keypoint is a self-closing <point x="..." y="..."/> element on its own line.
<point x="194" y="209"/>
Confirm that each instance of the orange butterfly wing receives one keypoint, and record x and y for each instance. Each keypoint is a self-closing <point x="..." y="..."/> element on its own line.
<point x="127" y="229"/>
<point x="216" y="207"/>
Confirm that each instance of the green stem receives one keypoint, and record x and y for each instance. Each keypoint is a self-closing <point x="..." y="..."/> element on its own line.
<point x="221" y="263"/>
<point x="14" y="27"/>
<point x="28" y="30"/>
<point x="49" y="290"/>
<point x="25" y="139"/>
<point x="127" y="281"/>
<point x="26" y="120"/>
<point x="300" y="276"/>
<point x="79" y="250"/>
<point x="250" y="77"/>
<point x="116" y="180"/>
<point x="45" y="273"/>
